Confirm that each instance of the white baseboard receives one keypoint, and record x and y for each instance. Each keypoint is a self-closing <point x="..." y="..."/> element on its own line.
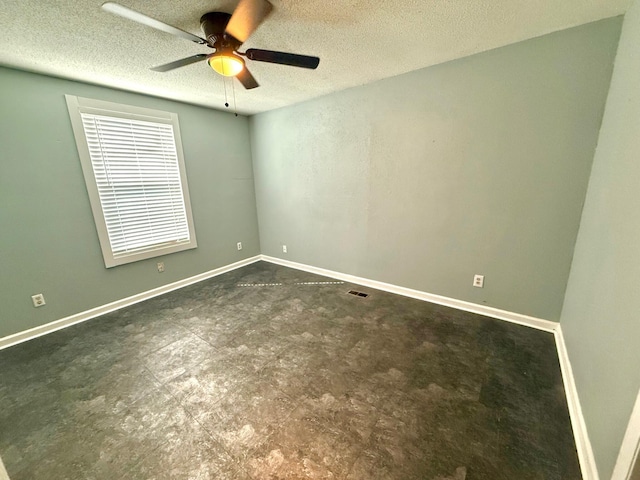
<point x="628" y="454"/>
<point x="583" y="444"/>
<point x="3" y="473"/>
<point x="118" y="304"/>
<point x="518" y="318"/>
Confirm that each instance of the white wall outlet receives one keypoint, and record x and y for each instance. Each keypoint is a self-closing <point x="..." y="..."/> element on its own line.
<point x="160" y="267"/>
<point x="239" y="245"/>
<point x="38" y="300"/>
<point x="284" y="249"/>
<point x="478" y="281"/>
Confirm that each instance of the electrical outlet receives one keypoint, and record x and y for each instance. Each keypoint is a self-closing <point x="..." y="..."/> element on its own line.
<point x="239" y="245"/>
<point x="38" y="300"/>
<point x="160" y="267"/>
<point x="478" y="281"/>
<point x="284" y="249"/>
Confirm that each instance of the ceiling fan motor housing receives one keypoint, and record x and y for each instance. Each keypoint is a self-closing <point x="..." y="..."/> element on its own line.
<point x="213" y="25"/>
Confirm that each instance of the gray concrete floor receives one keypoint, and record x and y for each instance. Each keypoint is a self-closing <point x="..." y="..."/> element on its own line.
<point x="227" y="379"/>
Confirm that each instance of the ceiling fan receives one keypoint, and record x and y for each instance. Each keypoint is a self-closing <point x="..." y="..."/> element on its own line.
<point x="225" y="33"/>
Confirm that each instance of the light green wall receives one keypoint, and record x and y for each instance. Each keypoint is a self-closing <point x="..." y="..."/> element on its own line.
<point x="48" y="241"/>
<point x="601" y="315"/>
<point x="479" y="165"/>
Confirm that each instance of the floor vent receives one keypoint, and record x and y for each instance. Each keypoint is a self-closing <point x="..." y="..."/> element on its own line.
<point x="358" y="294"/>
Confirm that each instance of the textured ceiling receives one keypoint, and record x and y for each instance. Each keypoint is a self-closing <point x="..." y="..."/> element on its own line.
<point x="358" y="41"/>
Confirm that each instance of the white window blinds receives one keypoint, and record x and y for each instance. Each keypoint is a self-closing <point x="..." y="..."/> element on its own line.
<point x="137" y="178"/>
<point x="136" y="169"/>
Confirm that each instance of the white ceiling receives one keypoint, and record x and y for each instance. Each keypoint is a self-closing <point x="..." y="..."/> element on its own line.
<point x="358" y="41"/>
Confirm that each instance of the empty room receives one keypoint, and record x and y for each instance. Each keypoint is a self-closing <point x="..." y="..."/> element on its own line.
<point x="269" y="239"/>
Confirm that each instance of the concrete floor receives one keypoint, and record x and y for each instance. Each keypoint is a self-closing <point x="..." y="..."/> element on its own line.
<point x="227" y="379"/>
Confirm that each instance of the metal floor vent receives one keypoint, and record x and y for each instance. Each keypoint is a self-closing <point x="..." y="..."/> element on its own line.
<point x="357" y="294"/>
<point x="318" y="283"/>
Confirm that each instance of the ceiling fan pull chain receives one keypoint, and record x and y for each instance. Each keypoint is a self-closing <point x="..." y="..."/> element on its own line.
<point x="224" y="82"/>
<point x="233" y="91"/>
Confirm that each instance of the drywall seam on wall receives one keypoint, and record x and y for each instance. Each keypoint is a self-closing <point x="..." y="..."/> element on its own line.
<point x="580" y="433"/>
<point x="630" y="446"/>
<point x="538" y="323"/>
<point x="118" y="304"/>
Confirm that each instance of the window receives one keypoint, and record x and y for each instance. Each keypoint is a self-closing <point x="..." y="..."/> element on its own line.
<point x="134" y="170"/>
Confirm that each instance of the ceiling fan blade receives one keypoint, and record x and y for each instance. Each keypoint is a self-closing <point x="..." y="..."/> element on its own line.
<point x="180" y="63"/>
<point x="129" y="14"/>
<point x="246" y="79"/>
<point x="282" y="58"/>
<point x="246" y="18"/>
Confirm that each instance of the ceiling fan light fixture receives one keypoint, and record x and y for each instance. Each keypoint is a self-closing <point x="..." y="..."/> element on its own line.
<point x="226" y="63"/>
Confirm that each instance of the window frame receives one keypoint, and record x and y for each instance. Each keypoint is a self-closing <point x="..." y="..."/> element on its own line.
<point x="77" y="106"/>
